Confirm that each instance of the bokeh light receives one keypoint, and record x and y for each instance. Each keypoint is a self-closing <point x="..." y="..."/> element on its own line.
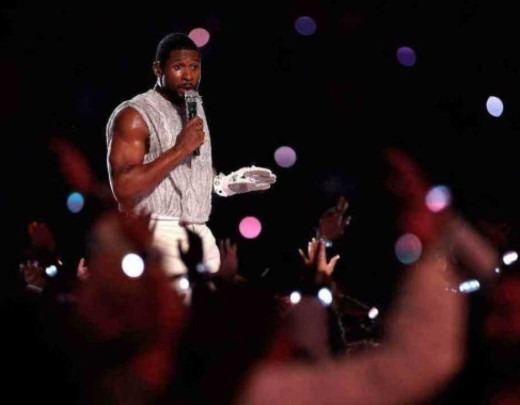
<point x="133" y="265"/>
<point x="373" y="313"/>
<point x="305" y="25"/>
<point x="406" y="56"/>
<point x="200" y="36"/>
<point x="509" y="257"/>
<point x="285" y="156"/>
<point x="469" y="286"/>
<point x="184" y="283"/>
<point x="408" y="248"/>
<point x="295" y="297"/>
<point x="494" y="106"/>
<point x="75" y="202"/>
<point x="250" y="227"/>
<point x="51" y="270"/>
<point x="438" y="198"/>
<point x="325" y="296"/>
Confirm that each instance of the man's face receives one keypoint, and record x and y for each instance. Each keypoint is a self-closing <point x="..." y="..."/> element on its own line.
<point x="181" y="72"/>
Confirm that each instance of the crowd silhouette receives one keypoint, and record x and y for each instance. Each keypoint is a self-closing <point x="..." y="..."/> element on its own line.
<point x="89" y="331"/>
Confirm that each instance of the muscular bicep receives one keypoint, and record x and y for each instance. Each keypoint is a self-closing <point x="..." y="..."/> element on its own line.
<point x="129" y="142"/>
<point x="130" y="178"/>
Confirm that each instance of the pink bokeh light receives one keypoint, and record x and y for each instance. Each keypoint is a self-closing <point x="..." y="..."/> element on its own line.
<point x="285" y="156"/>
<point x="200" y="36"/>
<point x="250" y="227"/>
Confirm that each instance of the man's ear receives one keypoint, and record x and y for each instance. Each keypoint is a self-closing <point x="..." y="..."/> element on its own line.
<point x="157" y="69"/>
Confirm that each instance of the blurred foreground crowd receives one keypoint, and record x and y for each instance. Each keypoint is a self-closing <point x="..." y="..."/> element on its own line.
<point x="113" y="328"/>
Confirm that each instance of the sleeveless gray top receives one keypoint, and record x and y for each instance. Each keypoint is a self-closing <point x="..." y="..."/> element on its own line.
<point x="186" y="192"/>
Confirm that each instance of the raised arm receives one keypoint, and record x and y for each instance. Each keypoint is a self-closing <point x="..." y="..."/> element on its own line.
<point x="130" y="177"/>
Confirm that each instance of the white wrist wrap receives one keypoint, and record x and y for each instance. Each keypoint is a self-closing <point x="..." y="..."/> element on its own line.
<point x="243" y="180"/>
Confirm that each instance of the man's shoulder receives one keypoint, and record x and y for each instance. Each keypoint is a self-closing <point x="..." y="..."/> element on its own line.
<point x="126" y="110"/>
<point x="146" y="103"/>
<point x="132" y="104"/>
<point x="146" y="96"/>
<point x="136" y="99"/>
<point x="130" y="98"/>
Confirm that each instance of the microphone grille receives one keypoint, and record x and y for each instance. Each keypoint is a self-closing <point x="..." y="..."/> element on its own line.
<point x="191" y="95"/>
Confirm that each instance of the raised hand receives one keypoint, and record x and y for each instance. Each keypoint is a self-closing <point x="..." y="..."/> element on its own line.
<point x="409" y="184"/>
<point x="244" y="180"/>
<point x="228" y="259"/>
<point x="33" y="274"/>
<point x="193" y="257"/>
<point x="41" y="236"/>
<point x="82" y="270"/>
<point x="334" y="221"/>
<point x="316" y="258"/>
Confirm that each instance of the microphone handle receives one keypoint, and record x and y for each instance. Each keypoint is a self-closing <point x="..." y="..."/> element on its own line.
<point x="192" y="112"/>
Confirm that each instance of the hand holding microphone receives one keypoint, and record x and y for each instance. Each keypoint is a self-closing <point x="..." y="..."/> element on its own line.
<point x="190" y="98"/>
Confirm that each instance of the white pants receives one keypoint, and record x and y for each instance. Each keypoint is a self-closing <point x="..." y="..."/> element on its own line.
<point x="168" y="234"/>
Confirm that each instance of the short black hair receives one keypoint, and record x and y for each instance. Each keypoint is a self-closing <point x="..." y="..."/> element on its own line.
<point x="173" y="42"/>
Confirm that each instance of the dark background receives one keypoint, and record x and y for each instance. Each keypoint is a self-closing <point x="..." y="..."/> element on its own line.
<point x="338" y="97"/>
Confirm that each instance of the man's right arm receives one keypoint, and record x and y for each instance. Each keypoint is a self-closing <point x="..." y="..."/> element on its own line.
<point x="130" y="176"/>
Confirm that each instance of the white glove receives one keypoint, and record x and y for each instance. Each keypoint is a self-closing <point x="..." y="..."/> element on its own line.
<point x="243" y="180"/>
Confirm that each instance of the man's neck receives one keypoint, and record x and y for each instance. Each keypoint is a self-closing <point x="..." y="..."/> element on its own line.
<point x="169" y="96"/>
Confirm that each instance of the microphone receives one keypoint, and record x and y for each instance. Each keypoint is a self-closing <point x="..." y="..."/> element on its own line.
<point x="190" y="98"/>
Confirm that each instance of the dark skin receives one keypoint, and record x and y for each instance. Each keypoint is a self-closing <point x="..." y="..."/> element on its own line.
<point x="130" y="177"/>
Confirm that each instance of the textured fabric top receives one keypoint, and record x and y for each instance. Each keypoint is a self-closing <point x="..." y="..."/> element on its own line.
<point x="186" y="192"/>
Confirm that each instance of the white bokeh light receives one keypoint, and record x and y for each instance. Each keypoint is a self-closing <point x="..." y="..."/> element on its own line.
<point x="295" y="297"/>
<point x="132" y="265"/>
<point x="325" y="296"/>
<point x="184" y="283"/>
<point x="51" y="270"/>
<point x="469" y="286"/>
<point x="509" y="257"/>
<point x="494" y="106"/>
<point x="373" y="313"/>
